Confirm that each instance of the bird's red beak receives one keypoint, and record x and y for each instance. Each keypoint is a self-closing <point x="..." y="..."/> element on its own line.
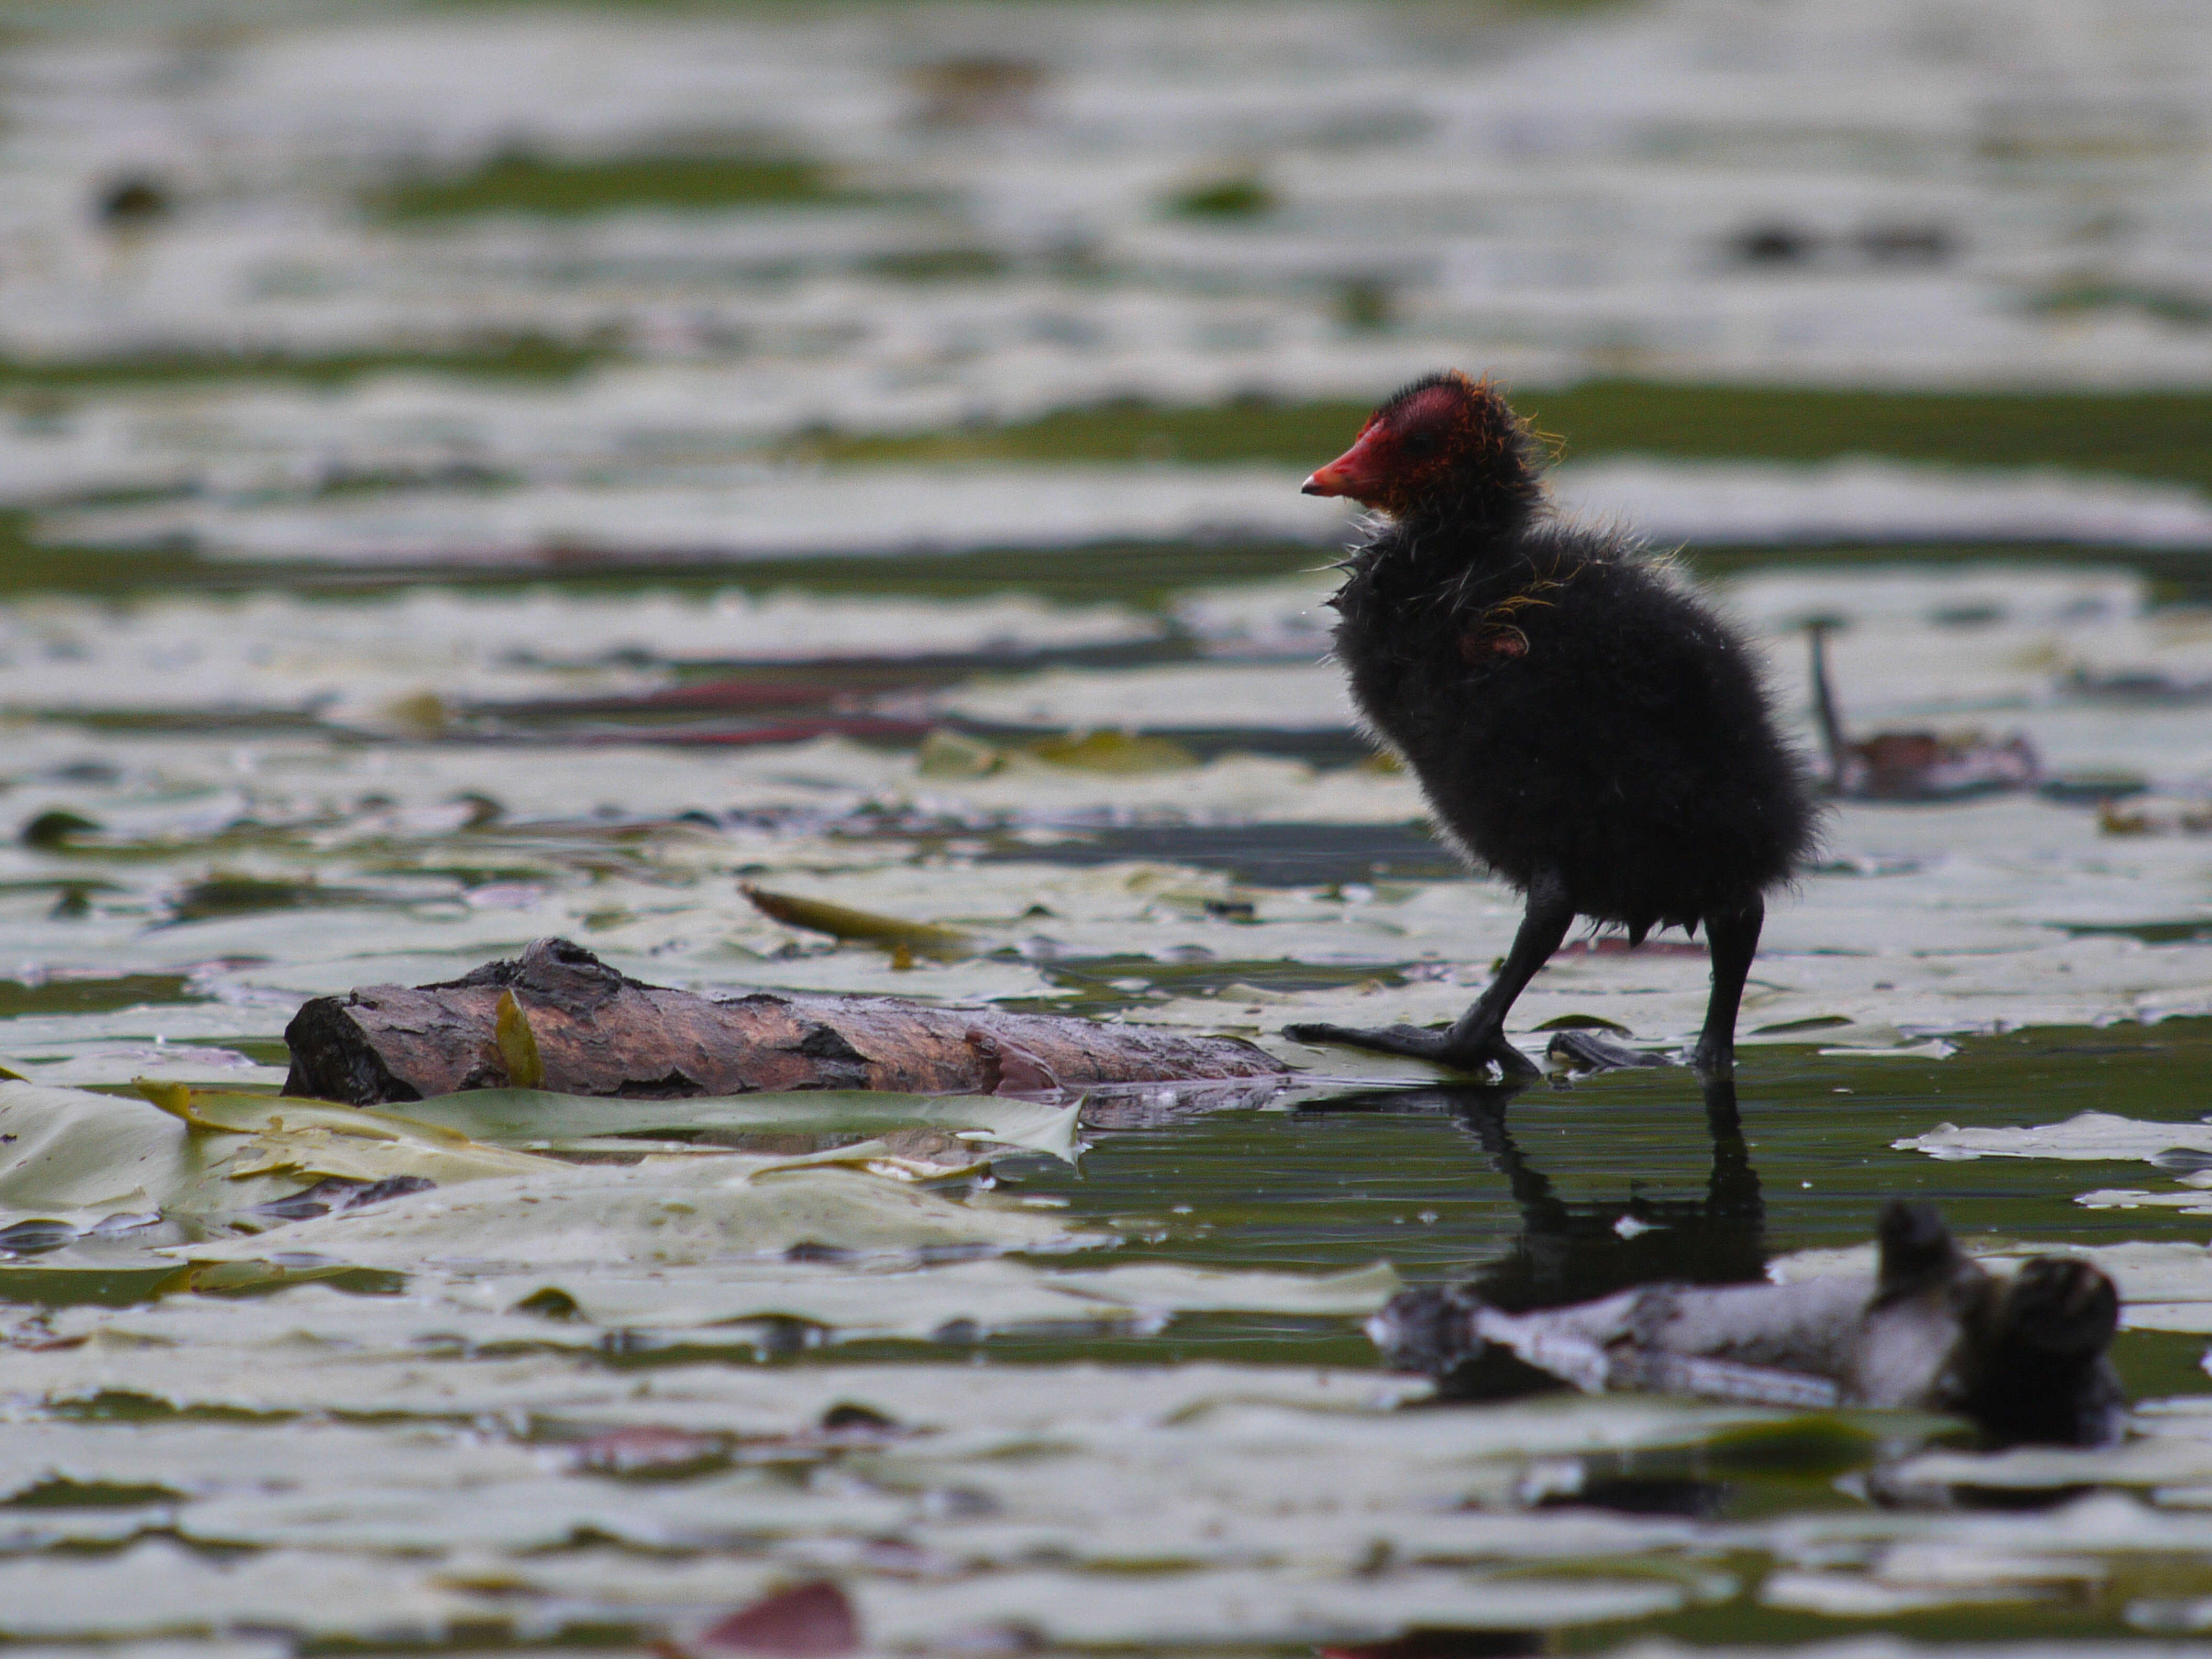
<point x="1358" y="473"/>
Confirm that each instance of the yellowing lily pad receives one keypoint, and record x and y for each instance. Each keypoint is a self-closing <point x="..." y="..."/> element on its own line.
<point x="813" y="915"/>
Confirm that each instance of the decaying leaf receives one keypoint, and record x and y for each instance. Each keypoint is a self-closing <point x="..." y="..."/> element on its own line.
<point x="946" y="754"/>
<point x="808" y="1621"/>
<point x="1915" y="765"/>
<point x="1114" y="751"/>
<point x="518" y="1044"/>
<point x="919" y="938"/>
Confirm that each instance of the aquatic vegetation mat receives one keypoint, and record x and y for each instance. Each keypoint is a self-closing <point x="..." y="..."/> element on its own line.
<point x="447" y="503"/>
<point x="637" y="1395"/>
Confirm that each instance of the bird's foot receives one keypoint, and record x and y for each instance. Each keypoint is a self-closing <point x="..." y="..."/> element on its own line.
<point x="1587" y="1050"/>
<point x="1448" y="1046"/>
<point x="1714" y="1058"/>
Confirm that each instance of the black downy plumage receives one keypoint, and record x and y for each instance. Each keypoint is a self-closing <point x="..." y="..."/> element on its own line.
<point x="1581" y="723"/>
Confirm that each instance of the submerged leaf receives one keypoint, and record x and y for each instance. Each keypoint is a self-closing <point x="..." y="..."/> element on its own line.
<point x="51" y="830"/>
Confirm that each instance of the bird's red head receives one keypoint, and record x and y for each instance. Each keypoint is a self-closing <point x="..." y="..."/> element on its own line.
<point x="1442" y="440"/>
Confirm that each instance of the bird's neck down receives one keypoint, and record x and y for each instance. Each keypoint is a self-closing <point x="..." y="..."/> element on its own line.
<point x="1428" y="552"/>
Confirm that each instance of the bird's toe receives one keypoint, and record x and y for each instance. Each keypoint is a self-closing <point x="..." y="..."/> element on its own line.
<point x="1592" y="1051"/>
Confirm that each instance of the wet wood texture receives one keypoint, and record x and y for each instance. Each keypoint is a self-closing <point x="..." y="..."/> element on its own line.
<point x="599" y="1032"/>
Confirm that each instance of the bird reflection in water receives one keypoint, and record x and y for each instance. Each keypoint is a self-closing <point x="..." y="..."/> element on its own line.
<point x="1568" y="1252"/>
<point x="1577" y="1251"/>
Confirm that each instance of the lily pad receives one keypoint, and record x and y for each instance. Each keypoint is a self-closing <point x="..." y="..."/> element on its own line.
<point x="665" y="1212"/>
<point x="536" y="1118"/>
<point x="2088" y="1137"/>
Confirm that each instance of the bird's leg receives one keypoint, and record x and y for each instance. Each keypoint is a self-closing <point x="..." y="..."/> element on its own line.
<point x="1733" y="938"/>
<point x="1732" y="1201"/>
<point x="1478" y="1037"/>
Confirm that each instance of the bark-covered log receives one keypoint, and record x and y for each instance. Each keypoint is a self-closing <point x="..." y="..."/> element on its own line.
<point x="599" y="1032"/>
<point x="2024" y="1358"/>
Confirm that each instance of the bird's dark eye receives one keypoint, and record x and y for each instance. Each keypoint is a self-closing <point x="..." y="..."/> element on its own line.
<point x="1421" y="443"/>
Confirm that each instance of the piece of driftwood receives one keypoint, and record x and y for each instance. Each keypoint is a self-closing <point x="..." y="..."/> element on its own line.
<point x="2024" y="1358"/>
<point x="1915" y="765"/>
<point x="600" y="1032"/>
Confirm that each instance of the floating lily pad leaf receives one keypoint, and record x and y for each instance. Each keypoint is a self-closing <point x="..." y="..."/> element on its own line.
<point x="314" y="1138"/>
<point x="100" y="1064"/>
<point x="2163" y="1286"/>
<point x="76" y="1157"/>
<point x="159" y="1587"/>
<point x="1167" y="1287"/>
<point x="1921" y="1048"/>
<point x="839" y="1299"/>
<point x="662" y="1213"/>
<point x="193" y="1460"/>
<point x="2187" y="1201"/>
<point x="919" y="938"/>
<point x="880" y="1297"/>
<point x="524" y="1516"/>
<point x="2088" y="1137"/>
<point x="1857" y="1595"/>
<point x="536" y="1118"/>
<point x="71" y="1154"/>
<point x="301" y="1317"/>
<point x="2172" y="1449"/>
<point x="857" y="1296"/>
<point x="1231" y="1484"/>
<point x="313" y="1349"/>
<point x="1584" y="1022"/>
<point x="1253" y="1607"/>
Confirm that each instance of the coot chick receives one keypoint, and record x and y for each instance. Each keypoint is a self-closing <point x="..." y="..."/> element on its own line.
<point x="1581" y="723"/>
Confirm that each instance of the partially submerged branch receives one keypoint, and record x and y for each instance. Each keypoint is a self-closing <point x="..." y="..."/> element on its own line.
<point x="2023" y="1358"/>
<point x="591" y="1030"/>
